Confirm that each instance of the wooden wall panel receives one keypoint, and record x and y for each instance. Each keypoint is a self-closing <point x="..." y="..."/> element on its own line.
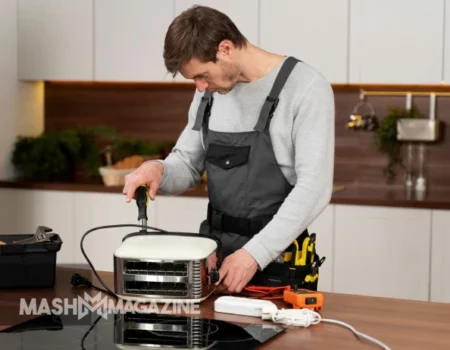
<point x="159" y="112"/>
<point x="143" y="111"/>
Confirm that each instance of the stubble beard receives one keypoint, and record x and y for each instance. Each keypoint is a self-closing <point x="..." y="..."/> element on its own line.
<point x="230" y="76"/>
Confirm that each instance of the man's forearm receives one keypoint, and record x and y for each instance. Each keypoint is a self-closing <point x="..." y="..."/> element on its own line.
<point x="178" y="176"/>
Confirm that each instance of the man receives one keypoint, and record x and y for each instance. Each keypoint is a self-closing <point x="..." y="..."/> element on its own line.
<point x="262" y="126"/>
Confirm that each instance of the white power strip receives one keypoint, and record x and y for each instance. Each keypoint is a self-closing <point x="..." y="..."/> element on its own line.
<point x="243" y="306"/>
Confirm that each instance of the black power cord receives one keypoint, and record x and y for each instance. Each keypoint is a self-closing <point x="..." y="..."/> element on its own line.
<point x="78" y="280"/>
<point x="89" y="331"/>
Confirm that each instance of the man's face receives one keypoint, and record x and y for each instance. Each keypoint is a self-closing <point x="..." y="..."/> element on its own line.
<point x="219" y="77"/>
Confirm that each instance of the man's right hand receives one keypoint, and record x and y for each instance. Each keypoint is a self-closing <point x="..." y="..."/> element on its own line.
<point x="149" y="174"/>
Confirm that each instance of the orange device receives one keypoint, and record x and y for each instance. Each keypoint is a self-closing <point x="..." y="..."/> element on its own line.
<point x="303" y="299"/>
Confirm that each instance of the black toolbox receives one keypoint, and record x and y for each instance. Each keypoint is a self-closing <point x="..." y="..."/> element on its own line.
<point x="28" y="265"/>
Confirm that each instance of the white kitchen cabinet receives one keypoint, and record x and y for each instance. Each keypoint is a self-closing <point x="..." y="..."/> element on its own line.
<point x="323" y="227"/>
<point x="447" y="44"/>
<point x="396" y="42"/>
<point x="315" y="32"/>
<point x="440" y="257"/>
<point x="180" y="214"/>
<point x="129" y="40"/>
<point x="93" y="210"/>
<point x="244" y="15"/>
<point x="53" y="209"/>
<point x="382" y="251"/>
<point x="55" y="40"/>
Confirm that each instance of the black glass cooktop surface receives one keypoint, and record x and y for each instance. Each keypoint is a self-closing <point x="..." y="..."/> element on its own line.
<point x="133" y="330"/>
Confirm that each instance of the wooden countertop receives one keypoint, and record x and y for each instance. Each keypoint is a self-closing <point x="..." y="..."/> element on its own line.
<point x="350" y="194"/>
<point x="400" y="324"/>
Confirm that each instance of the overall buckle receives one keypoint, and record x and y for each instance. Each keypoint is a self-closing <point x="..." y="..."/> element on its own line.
<point x="208" y="104"/>
<point x="274" y="103"/>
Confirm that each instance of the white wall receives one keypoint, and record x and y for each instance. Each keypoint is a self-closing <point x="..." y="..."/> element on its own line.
<point x="21" y="104"/>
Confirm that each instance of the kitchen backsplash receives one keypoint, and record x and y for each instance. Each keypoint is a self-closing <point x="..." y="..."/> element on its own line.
<point x="159" y="112"/>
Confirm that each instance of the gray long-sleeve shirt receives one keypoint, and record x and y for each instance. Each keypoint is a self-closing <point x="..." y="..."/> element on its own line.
<point x="302" y="132"/>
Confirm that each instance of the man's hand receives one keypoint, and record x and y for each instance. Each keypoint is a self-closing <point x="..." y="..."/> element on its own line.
<point x="236" y="271"/>
<point x="149" y="174"/>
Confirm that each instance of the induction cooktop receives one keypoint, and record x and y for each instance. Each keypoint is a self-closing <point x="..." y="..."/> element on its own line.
<point x="134" y="330"/>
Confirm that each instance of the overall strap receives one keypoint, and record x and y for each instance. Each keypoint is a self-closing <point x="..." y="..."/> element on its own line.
<point x="204" y="110"/>
<point x="271" y="102"/>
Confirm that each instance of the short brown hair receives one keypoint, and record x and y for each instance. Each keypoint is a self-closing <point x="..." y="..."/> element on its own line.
<point x="197" y="32"/>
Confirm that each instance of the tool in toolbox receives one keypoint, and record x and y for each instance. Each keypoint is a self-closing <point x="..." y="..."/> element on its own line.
<point x="43" y="234"/>
<point x="158" y="266"/>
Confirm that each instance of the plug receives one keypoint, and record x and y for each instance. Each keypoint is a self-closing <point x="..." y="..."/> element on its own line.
<point x="214" y="276"/>
<point x="268" y="311"/>
<point x="78" y="280"/>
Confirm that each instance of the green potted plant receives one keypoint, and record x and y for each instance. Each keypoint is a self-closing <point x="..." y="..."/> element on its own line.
<point x="386" y="139"/>
<point x="47" y="157"/>
<point x="93" y="142"/>
<point x="61" y="155"/>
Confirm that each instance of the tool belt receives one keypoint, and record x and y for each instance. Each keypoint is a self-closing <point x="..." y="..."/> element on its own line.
<point x="298" y="267"/>
<point x="278" y="274"/>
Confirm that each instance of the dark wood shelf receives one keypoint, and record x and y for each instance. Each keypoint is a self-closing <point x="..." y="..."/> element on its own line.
<point x="393" y="196"/>
<point x="349" y="194"/>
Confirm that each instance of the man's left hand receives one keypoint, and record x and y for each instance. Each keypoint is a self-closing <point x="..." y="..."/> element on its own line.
<point x="236" y="271"/>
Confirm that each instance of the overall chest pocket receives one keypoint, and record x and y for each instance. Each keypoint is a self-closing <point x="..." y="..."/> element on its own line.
<point x="227" y="157"/>
<point x="227" y="176"/>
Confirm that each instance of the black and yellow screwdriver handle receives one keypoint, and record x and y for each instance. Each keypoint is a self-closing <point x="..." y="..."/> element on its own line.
<point x="311" y="249"/>
<point x="293" y="254"/>
<point x="303" y="260"/>
<point x="142" y="200"/>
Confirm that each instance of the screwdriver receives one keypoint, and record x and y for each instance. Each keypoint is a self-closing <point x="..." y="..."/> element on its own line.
<point x="142" y="200"/>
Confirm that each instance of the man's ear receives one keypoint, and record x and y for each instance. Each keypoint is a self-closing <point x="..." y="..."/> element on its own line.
<point x="225" y="49"/>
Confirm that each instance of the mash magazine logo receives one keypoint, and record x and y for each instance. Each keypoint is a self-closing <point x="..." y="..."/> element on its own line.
<point x="86" y="305"/>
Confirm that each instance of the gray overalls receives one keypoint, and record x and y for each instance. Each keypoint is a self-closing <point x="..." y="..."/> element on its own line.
<point x="246" y="187"/>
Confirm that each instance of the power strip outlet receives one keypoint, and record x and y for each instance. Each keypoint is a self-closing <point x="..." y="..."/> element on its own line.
<point x="242" y="306"/>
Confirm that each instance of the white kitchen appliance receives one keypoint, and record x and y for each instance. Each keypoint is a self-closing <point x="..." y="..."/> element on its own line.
<point x="160" y="266"/>
<point x="164" y="267"/>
